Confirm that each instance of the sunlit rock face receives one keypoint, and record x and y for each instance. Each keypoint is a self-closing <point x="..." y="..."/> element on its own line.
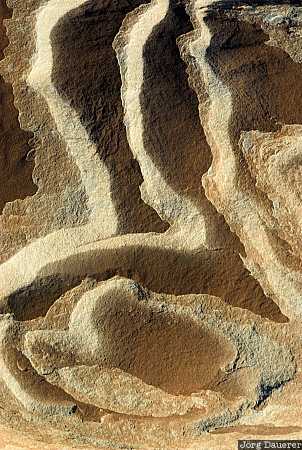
<point x="151" y="223"/>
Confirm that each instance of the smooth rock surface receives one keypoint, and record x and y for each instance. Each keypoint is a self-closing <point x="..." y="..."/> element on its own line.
<point x="151" y="223"/>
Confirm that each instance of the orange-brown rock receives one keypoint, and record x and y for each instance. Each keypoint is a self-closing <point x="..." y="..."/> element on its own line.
<point x="150" y="227"/>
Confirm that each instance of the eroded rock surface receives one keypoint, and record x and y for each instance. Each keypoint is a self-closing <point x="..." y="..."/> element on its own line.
<point x="150" y="256"/>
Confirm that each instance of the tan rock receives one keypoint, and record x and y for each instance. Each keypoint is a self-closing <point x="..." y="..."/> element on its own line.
<point x="150" y="257"/>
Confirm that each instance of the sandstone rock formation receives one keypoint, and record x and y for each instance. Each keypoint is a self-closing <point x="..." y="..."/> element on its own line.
<point x="150" y="228"/>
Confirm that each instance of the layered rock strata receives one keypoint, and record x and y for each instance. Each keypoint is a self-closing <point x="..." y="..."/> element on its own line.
<point x="150" y="277"/>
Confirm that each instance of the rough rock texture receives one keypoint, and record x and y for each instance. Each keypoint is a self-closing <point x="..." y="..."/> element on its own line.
<point x="151" y="223"/>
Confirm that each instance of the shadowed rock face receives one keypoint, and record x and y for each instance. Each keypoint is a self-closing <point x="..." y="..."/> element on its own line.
<point x="87" y="76"/>
<point x="160" y="270"/>
<point x="150" y="290"/>
<point x="172" y="131"/>
<point x="256" y="75"/>
<point x="16" y="162"/>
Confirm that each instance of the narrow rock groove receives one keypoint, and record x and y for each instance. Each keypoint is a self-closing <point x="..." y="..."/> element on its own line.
<point x="151" y="226"/>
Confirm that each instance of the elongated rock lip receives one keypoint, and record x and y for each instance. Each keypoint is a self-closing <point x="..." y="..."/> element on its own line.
<point x="150" y="227"/>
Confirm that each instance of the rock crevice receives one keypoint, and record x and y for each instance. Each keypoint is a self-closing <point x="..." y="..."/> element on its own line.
<point x="150" y="276"/>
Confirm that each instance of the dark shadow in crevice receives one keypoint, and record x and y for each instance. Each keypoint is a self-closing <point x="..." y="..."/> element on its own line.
<point x="172" y="132"/>
<point x="173" y="136"/>
<point x="16" y="158"/>
<point x="219" y="273"/>
<point x="265" y="85"/>
<point x="87" y="75"/>
<point x="264" y="82"/>
<point x="35" y="300"/>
